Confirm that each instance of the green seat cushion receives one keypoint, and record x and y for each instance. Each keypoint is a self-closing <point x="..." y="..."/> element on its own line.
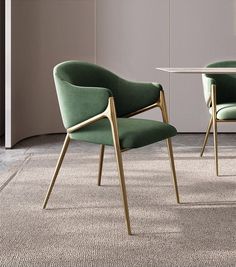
<point x="226" y="111"/>
<point x="133" y="133"/>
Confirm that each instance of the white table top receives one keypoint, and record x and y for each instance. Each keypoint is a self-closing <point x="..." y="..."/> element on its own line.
<point x="199" y="70"/>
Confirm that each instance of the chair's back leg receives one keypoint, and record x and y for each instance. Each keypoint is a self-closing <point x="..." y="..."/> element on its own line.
<point x="206" y="136"/>
<point x="169" y="144"/>
<point x="213" y="97"/>
<point x="58" y="166"/>
<point x="172" y="164"/>
<point x="100" y="164"/>
<point x="115" y="135"/>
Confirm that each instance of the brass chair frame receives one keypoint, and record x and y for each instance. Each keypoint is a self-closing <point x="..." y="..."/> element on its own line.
<point x="213" y="122"/>
<point x="110" y="113"/>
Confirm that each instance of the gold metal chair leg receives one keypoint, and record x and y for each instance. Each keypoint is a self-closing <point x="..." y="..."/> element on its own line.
<point x="172" y="165"/>
<point x="169" y="144"/>
<point x="206" y="136"/>
<point x="214" y="117"/>
<point x="116" y="142"/>
<point x="100" y="164"/>
<point x="58" y="166"/>
<point x="216" y="147"/>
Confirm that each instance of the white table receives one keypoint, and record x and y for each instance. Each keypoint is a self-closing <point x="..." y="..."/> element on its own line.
<point x="200" y="70"/>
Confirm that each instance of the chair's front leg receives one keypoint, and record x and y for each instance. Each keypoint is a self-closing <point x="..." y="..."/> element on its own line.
<point x="214" y="117"/>
<point x="169" y="144"/>
<point x="58" y="166"/>
<point x="116" y="142"/>
<point x="100" y="164"/>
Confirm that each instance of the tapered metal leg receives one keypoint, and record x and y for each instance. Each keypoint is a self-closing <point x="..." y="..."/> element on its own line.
<point x="100" y="164"/>
<point x="206" y="136"/>
<point x="172" y="165"/>
<point x="169" y="144"/>
<point x="214" y="117"/>
<point x="116" y="142"/>
<point x="123" y="188"/>
<point x="216" y="147"/>
<point x="58" y="166"/>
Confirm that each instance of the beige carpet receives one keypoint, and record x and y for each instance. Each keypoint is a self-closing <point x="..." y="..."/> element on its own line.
<point x="84" y="224"/>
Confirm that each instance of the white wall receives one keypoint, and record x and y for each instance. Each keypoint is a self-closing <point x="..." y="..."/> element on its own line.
<point x="135" y="36"/>
<point x="44" y="33"/>
<point x="201" y="31"/>
<point x="130" y="37"/>
<point x="2" y="67"/>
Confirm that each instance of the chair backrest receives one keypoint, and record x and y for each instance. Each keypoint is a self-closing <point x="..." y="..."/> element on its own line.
<point x="129" y="96"/>
<point x="225" y="83"/>
<point x="85" y="74"/>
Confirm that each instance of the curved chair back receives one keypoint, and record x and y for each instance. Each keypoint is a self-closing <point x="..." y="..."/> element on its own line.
<point x="85" y="74"/>
<point x="129" y="96"/>
<point x="225" y="83"/>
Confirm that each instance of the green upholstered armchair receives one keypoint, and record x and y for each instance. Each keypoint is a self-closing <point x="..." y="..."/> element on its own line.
<point x="96" y="106"/>
<point x="220" y="97"/>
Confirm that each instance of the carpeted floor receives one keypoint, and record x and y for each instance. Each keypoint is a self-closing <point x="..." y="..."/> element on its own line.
<point x="84" y="224"/>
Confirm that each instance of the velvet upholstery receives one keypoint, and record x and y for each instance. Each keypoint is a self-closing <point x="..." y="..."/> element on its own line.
<point x="225" y="90"/>
<point x="129" y="96"/>
<point x="83" y="91"/>
<point x="133" y="133"/>
<point x="225" y="111"/>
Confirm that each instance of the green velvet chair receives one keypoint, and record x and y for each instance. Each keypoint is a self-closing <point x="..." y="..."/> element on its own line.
<point x="220" y="96"/>
<point x="96" y="106"/>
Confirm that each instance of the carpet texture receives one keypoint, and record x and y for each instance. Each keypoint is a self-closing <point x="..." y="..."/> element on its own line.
<point x="84" y="224"/>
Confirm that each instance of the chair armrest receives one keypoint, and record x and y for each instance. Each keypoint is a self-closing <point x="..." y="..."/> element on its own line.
<point x="207" y="83"/>
<point x="132" y="96"/>
<point x="78" y="103"/>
